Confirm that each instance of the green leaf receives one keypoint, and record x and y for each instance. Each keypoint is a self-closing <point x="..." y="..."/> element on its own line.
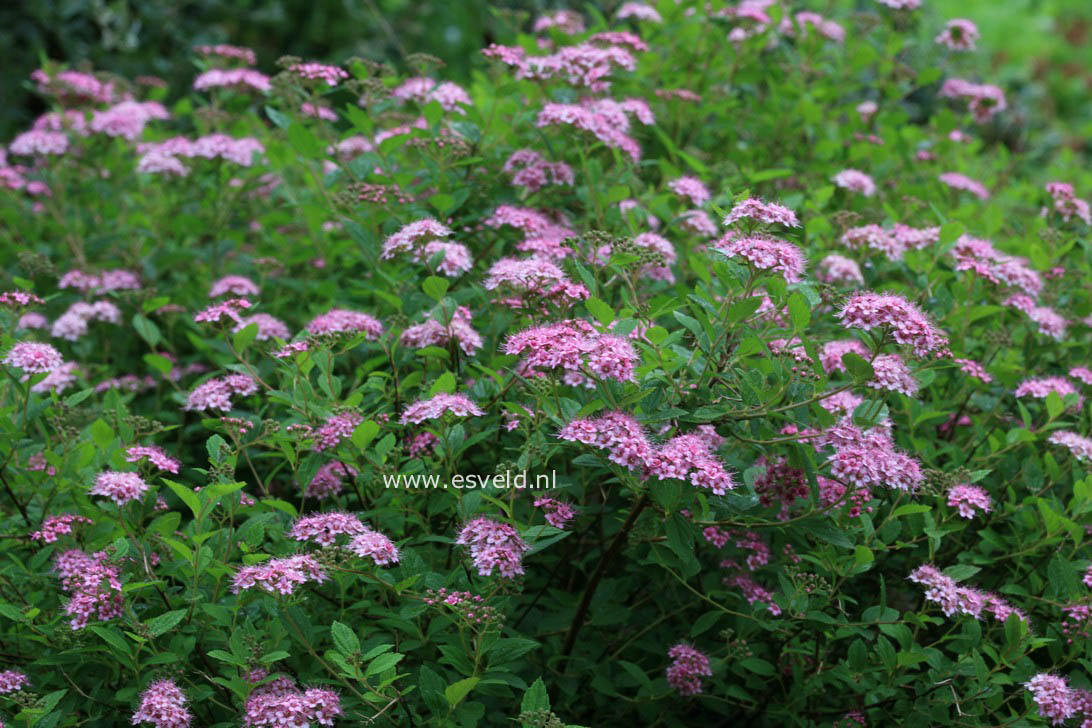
<point x="364" y="433"/>
<point x="950" y="232"/>
<point x="186" y="495"/>
<point x="598" y="308"/>
<point x="224" y="657"/>
<point x="444" y="383"/>
<point x="165" y="622"/>
<point x="743" y="309"/>
<point x="101" y="434"/>
<point x="147" y="330"/>
<point x="112" y="638"/>
<point x="383" y="663"/>
<point x="244" y="337"/>
<point x="1054" y="404"/>
<point x="457" y="691"/>
<point x="536" y="698"/>
<point x="304" y="141"/>
<point x="799" y="311"/>
<point x="435" y="287"/>
<point x="860" y="369"/>
<point x="159" y="362"/>
<point x="344" y="639"/>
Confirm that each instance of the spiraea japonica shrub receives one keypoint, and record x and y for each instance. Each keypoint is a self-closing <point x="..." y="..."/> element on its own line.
<point x="694" y="364"/>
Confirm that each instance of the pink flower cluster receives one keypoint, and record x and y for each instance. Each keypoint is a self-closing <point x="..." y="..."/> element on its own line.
<point x="837" y="269"/>
<point x="436" y="333"/>
<point x="558" y="513"/>
<point x="533" y="280"/>
<point x="768" y="213"/>
<point x="865" y="459"/>
<point x="450" y="96"/>
<point x="234" y="285"/>
<point x="959" y="34"/>
<point x="692" y="188"/>
<point x="1080" y="447"/>
<point x="493" y="545"/>
<point x="1054" y="698"/>
<point x="983" y="259"/>
<point x="1067" y="204"/>
<point x="1040" y="388"/>
<point x="155" y="455"/>
<point x="244" y="79"/>
<point x="164" y="157"/>
<point x="958" y="181"/>
<point x="685" y="457"/>
<point x="766" y="254"/>
<point x="342" y="321"/>
<point x="687" y="669"/>
<point x="336" y="429"/>
<point x="94" y="585"/>
<point x="216" y="394"/>
<point x="127" y="119"/>
<point x="228" y="310"/>
<point x="279" y="575"/>
<point x="119" y="487"/>
<point x="905" y="321"/>
<point x="943" y="590"/>
<point x="231" y="52"/>
<point x="855" y="181"/>
<point x="329" y="75"/>
<point x="438" y="405"/>
<point x="330" y="479"/>
<point x="575" y="347"/>
<point x="53" y="527"/>
<point x="584" y="65"/>
<point x="280" y="704"/>
<point x="33" y="357"/>
<point x="371" y="544"/>
<point x="12" y="680"/>
<point x="324" y="528"/>
<point x="601" y="124"/>
<point x="984" y="100"/>
<point x="967" y="498"/>
<point x="892" y="374"/>
<point x="529" y="169"/>
<point x="163" y="705"/>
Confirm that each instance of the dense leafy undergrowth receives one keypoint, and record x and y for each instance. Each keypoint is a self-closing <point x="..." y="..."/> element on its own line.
<point x="702" y="365"/>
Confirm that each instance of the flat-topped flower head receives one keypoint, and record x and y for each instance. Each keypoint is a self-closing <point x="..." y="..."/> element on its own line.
<point x="279" y="575"/>
<point x="340" y="321"/>
<point x="533" y="278"/>
<point x="235" y="285"/>
<point x="53" y="527"/>
<point x="905" y="321"/>
<point x="958" y="181"/>
<point x="33" y="357"/>
<point x="766" y="254"/>
<point x="119" y="487"/>
<point x="1041" y="387"/>
<point x="688" y="667"/>
<point x="155" y="455"/>
<point x="324" y="528"/>
<point x="438" y="405"/>
<point x="228" y="310"/>
<point x="19" y="299"/>
<point x="893" y="375"/>
<point x="413" y="235"/>
<point x="371" y="544"/>
<point x="435" y="332"/>
<point x="969" y="499"/>
<point x="855" y="181"/>
<point x="692" y="188"/>
<point x="493" y="546"/>
<point x="839" y="270"/>
<point x="767" y="213"/>
<point x="12" y="680"/>
<point x="1053" y="697"/>
<point x="163" y="705"/>
<point x="336" y="429"/>
<point x="280" y="704"/>
<point x="320" y="72"/>
<point x="959" y="34"/>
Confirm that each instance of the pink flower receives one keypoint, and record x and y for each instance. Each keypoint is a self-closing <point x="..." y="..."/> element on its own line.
<point x="376" y="546"/>
<point x="19" y="299"/>
<point x="832" y="352"/>
<point x="235" y="285"/>
<point x="602" y="125"/>
<point x="638" y="11"/>
<point x="866" y="459"/>
<point x="435" y="333"/>
<point x="33" y="357"/>
<point x="279" y="575"/>
<point x="228" y="309"/>
<point x="163" y="705"/>
<point x="688" y="457"/>
<point x="127" y="118"/>
<point x="837" y="269"/>
<point x="533" y="279"/>
<point x="216" y="394"/>
<point x="119" y="487"/>
<point x="768" y="213"/>
<point x="855" y="181"/>
<point x="893" y="375"/>
<point x="155" y="455"/>
<point x="329" y="480"/>
<point x="572" y="346"/>
<point x="966" y="498"/>
<point x="876" y="238"/>
<point x="57" y="380"/>
<point x="330" y="75"/>
<point x="905" y="321"/>
<point x="94" y="585"/>
<point x="692" y="188"/>
<point x="280" y="704"/>
<point x="337" y="320"/>
<point x="53" y="527"/>
<point x="458" y="405"/>
<point x="324" y="528"/>
<point x="959" y="35"/>
<point x="410" y="237"/>
<point x="985" y="100"/>
<point x="1053" y="696"/>
<point x="493" y="545"/>
<point x="239" y="53"/>
<point x="558" y="513"/>
<point x="269" y="327"/>
<point x="566" y="21"/>
<point x="1043" y="386"/>
<point x="37" y="143"/>
<point x="12" y="680"/>
<point x="687" y="669"/>
<point x="974" y="369"/>
<point x="527" y="168"/>
<point x="765" y="254"/>
<point x="958" y="181"/>
<point x="336" y="429"/>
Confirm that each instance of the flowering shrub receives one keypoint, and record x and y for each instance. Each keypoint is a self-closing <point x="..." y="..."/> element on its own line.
<point x="697" y="364"/>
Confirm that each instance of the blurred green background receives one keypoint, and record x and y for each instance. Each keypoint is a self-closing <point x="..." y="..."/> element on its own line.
<point x="1040" y="49"/>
